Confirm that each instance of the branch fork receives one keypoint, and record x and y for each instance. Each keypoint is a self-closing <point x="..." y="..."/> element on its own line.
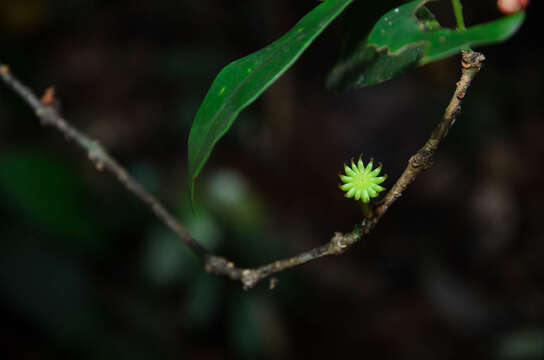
<point x="49" y="115"/>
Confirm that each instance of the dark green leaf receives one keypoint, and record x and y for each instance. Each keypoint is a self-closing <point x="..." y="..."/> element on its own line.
<point x="410" y="36"/>
<point x="243" y="80"/>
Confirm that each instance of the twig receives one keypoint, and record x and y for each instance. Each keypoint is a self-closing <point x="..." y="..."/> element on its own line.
<point x="49" y="116"/>
<point x="471" y="64"/>
<point x="249" y="277"/>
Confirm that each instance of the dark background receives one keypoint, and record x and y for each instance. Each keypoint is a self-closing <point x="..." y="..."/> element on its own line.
<point x="453" y="271"/>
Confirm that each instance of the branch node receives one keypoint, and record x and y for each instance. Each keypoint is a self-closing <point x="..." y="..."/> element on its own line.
<point x="249" y="278"/>
<point x="472" y="60"/>
<point x="215" y="263"/>
<point x="219" y="265"/>
<point x="40" y="113"/>
<point x="338" y="244"/>
<point x="48" y="117"/>
<point x="420" y="159"/>
<point x="97" y="155"/>
<point x="461" y="95"/>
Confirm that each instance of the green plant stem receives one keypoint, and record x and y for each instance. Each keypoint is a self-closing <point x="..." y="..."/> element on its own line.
<point x="458" y="11"/>
<point x="367" y="210"/>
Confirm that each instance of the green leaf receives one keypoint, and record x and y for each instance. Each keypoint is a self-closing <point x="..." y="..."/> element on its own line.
<point x="243" y="80"/>
<point x="409" y="36"/>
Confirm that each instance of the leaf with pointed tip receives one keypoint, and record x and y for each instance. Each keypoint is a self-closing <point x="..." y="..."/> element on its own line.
<point x="409" y="36"/>
<point x="242" y="81"/>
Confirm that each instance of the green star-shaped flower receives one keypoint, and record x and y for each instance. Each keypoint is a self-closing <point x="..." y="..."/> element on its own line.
<point x="360" y="182"/>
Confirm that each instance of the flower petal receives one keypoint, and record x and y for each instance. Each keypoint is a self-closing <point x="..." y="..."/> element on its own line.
<point x="346" y="179"/>
<point x="360" y="165"/>
<point x="377" y="187"/>
<point x="350" y="193"/>
<point x="354" y="167"/>
<point x="358" y="194"/>
<point x="369" y="167"/>
<point x="379" y="180"/>
<point x="366" y="198"/>
<point x="371" y="192"/>
<point x="376" y="171"/>
<point x="348" y="171"/>
<point x="346" y="187"/>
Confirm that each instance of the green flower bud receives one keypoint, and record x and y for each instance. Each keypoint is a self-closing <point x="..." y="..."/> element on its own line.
<point x="360" y="182"/>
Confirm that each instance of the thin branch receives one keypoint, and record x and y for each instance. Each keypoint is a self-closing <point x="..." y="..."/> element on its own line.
<point x="249" y="277"/>
<point x="49" y="116"/>
<point x="471" y="65"/>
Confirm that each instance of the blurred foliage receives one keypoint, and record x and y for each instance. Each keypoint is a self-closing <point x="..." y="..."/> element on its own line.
<point x="88" y="272"/>
<point x="525" y="344"/>
<point x="48" y="193"/>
